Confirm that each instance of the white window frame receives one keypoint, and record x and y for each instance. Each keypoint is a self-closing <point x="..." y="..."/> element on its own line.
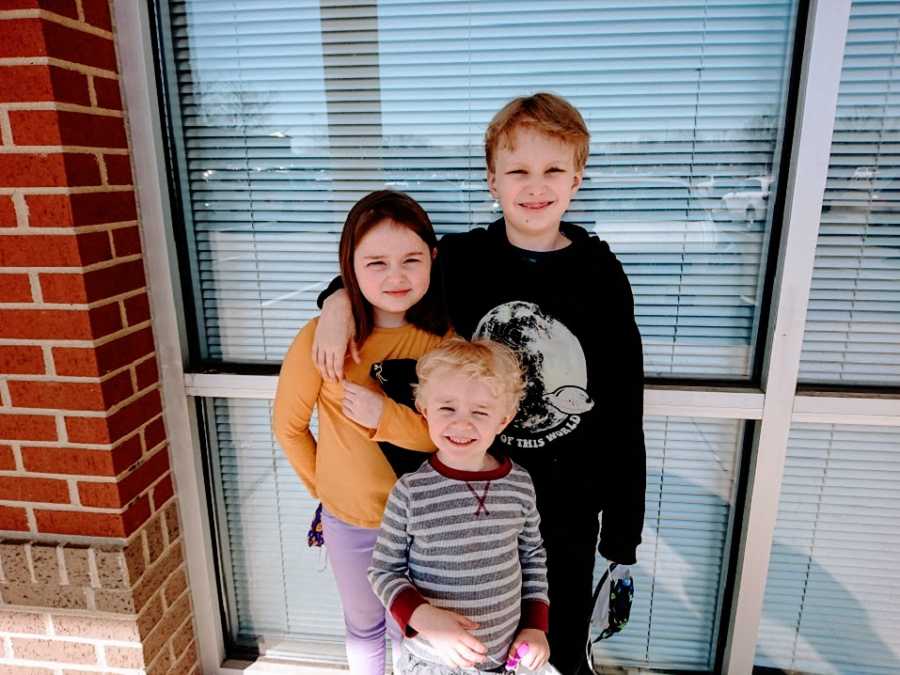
<point x="775" y="406"/>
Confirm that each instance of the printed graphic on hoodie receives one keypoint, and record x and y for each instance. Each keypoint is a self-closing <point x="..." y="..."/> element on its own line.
<point x="554" y="368"/>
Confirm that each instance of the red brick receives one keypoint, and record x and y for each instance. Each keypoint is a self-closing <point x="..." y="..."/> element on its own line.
<point x="21" y="360"/>
<point x="60" y="324"/>
<point x="118" y="169"/>
<point x="154" y="433"/>
<point x="51" y="170"/>
<point x="80" y="522"/>
<point x="64" y="7"/>
<point x="27" y="428"/>
<point x="130" y="417"/>
<point x="62" y="127"/>
<point x="93" y="286"/>
<point x="93" y="208"/>
<point x="7" y="459"/>
<point x="93" y="247"/>
<point x="39" y="37"/>
<point x="108" y="95"/>
<point x="83" y="462"/>
<point x="116" y="426"/>
<point x="71" y="44"/>
<point x="99" y="494"/>
<point x="96" y="12"/>
<point x="126" y="241"/>
<point x="64" y="288"/>
<point x="144" y="475"/>
<point x="147" y="373"/>
<point x="15" y="288"/>
<point x="121" y="278"/>
<point x="71" y="395"/>
<point x="88" y="430"/>
<point x="105" y="319"/>
<point x="7" y="209"/>
<point x="79" y="361"/>
<point x="41" y="250"/>
<point x="26" y="489"/>
<point x="162" y="492"/>
<point x="137" y="309"/>
<point x="13" y="518"/>
<point x="20" y="84"/>
<point x="22" y="37"/>
<point x="136" y="515"/>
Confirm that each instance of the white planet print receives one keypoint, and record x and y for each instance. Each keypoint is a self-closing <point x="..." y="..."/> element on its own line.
<point x="552" y="361"/>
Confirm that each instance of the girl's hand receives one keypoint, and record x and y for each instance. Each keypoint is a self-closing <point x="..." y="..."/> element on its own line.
<point x="334" y="333"/>
<point x="362" y="405"/>
<point x="448" y="632"/>
<point x="538" y="649"/>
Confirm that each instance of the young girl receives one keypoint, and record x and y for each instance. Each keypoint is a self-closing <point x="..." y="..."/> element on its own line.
<point x="386" y="252"/>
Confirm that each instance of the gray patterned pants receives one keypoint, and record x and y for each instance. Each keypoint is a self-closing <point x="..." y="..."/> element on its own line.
<point x="412" y="665"/>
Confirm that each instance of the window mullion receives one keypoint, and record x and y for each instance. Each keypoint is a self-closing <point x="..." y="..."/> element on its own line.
<point x="826" y="31"/>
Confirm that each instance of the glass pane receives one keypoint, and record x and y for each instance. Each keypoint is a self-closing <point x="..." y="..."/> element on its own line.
<point x="287" y="112"/>
<point x="853" y="325"/>
<point x="691" y="471"/>
<point x="278" y="588"/>
<point x="831" y="596"/>
<point x="280" y="591"/>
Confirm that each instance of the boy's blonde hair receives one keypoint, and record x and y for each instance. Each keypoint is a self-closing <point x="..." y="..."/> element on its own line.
<point x="547" y="113"/>
<point x="490" y="362"/>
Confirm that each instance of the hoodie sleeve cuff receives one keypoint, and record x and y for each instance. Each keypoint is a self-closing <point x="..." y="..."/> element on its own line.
<point x="403" y="607"/>
<point x="536" y="614"/>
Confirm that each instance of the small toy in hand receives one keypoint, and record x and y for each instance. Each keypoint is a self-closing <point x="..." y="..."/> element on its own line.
<point x="514" y="664"/>
<point x="316" y="536"/>
<point x="612" y="604"/>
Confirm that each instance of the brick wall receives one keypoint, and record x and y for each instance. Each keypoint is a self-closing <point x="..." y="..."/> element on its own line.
<point x="93" y="577"/>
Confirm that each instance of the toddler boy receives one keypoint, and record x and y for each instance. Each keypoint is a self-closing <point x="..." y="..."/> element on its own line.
<point x="459" y="560"/>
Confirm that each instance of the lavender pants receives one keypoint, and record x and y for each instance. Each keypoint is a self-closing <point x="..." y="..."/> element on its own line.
<point x="349" y="553"/>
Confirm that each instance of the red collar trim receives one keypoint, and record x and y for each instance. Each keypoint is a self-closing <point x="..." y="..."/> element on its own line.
<point x="500" y="472"/>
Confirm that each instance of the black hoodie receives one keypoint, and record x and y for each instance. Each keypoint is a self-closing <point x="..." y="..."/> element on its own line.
<point x="569" y="314"/>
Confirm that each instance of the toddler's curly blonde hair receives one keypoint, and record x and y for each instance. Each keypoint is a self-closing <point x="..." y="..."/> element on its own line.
<point x="490" y="362"/>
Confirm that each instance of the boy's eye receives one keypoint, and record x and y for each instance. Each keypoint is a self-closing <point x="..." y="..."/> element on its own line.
<point x="555" y="169"/>
<point x="410" y="261"/>
<point x="480" y="413"/>
<point x="516" y="171"/>
<point x="445" y="408"/>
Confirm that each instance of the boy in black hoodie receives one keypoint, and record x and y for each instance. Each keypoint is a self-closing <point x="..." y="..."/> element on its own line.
<point x="559" y="297"/>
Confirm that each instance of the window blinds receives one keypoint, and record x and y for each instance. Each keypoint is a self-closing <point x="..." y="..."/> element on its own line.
<point x="853" y="325"/>
<point x="831" y="596"/>
<point x="280" y="591"/>
<point x="287" y="112"/>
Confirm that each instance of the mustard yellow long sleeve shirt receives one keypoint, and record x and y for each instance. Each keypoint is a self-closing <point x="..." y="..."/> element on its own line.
<point x="346" y="469"/>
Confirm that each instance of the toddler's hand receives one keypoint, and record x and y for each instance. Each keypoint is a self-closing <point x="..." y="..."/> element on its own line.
<point x="334" y="332"/>
<point x="362" y="405"/>
<point x="538" y="649"/>
<point x="448" y="632"/>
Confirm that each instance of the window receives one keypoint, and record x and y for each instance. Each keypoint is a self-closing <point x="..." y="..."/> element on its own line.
<point x="853" y="325"/>
<point x="284" y="113"/>
<point x="289" y="112"/>
<point x="829" y="604"/>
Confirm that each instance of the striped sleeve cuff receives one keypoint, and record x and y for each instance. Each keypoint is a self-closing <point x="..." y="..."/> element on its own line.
<point x="536" y="614"/>
<point x="403" y="607"/>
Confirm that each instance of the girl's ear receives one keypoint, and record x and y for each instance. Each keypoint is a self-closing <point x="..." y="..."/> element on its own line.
<point x="434" y="253"/>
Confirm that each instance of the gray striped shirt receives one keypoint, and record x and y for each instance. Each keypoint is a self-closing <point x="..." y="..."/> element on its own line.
<point x="467" y="542"/>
